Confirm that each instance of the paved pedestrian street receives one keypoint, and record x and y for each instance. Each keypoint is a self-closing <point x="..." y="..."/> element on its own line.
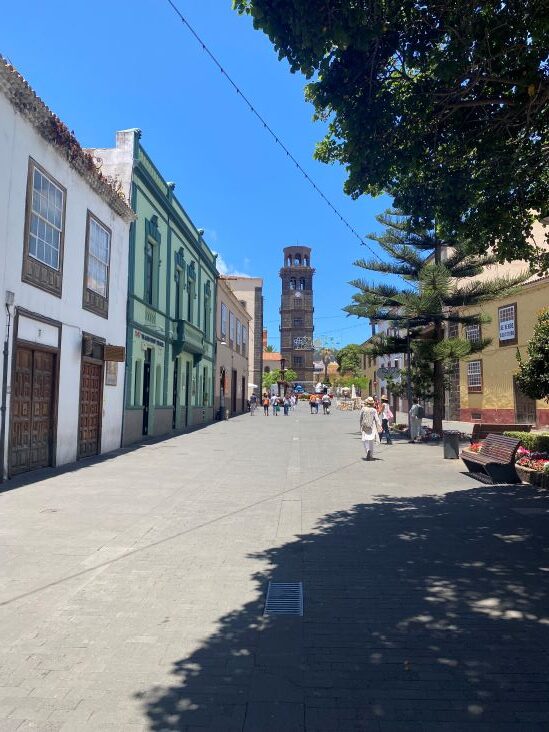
<point x="133" y="588"/>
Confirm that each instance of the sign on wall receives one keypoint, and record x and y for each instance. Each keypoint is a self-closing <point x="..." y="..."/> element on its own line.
<point x="148" y="339"/>
<point x="114" y="353"/>
<point x="111" y="373"/>
<point x="507" y="330"/>
<point x="388" y="372"/>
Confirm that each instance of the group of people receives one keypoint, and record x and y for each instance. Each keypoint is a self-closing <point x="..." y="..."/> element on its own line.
<point x="286" y="403"/>
<point x="315" y="400"/>
<point x="374" y="423"/>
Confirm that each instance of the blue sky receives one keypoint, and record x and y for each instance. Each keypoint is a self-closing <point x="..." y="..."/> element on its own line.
<point x="107" y="65"/>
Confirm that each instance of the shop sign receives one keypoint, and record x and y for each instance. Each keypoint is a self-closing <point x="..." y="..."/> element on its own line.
<point x="114" y="353"/>
<point x="148" y="339"/>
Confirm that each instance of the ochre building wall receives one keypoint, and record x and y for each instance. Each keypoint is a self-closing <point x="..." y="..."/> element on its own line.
<point x="496" y="401"/>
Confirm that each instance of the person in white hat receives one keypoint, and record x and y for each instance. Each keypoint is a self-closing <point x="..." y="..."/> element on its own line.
<point x="370" y="427"/>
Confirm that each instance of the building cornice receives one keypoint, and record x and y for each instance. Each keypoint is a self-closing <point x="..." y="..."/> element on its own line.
<point x="29" y="105"/>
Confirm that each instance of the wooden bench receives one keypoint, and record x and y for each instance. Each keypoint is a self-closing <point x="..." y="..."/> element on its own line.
<point x="496" y="459"/>
<point x="482" y="430"/>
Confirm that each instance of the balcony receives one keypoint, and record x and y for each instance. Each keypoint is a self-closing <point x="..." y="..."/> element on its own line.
<point x="189" y="338"/>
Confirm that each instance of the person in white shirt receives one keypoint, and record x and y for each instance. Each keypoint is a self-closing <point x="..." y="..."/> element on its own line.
<point x="385" y="415"/>
<point x="416" y="415"/>
<point x="370" y="427"/>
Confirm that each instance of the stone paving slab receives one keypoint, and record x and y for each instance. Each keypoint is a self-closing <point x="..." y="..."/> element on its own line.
<point x="132" y="589"/>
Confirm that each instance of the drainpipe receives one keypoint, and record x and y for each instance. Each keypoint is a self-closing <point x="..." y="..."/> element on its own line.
<point x="5" y="357"/>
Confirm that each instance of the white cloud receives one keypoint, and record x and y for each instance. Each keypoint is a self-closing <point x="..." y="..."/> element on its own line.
<point x="227" y="269"/>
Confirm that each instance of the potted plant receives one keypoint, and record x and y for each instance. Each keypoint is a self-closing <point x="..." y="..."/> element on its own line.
<point x="533" y="467"/>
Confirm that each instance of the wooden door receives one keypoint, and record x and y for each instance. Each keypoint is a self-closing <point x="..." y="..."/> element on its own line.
<point x="233" y="393"/>
<point x="31" y="437"/>
<point x="146" y="390"/>
<point x="175" y="393"/>
<point x="42" y="399"/>
<point x="91" y="393"/>
<point x="525" y="407"/>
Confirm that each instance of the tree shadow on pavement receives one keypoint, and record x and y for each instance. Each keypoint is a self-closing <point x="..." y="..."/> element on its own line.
<point x="420" y="613"/>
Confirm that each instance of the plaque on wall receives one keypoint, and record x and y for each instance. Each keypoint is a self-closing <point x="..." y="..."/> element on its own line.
<point x="111" y="373"/>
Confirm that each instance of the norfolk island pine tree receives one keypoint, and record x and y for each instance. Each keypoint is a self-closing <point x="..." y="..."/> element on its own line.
<point x="441" y="274"/>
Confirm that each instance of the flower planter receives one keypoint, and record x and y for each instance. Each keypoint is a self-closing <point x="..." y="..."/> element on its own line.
<point x="534" y="477"/>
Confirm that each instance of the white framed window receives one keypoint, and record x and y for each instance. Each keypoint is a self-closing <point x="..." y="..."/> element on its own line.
<point x="231" y="326"/>
<point x="46" y="220"/>
<point x="472" y="333"/>
<point x="244" y="340"/>
<point x="238" y="333"/>
<point x="99" y="249"/>
<point x="223" y="320"/>
<point x="474" y="376"/>
<point x="507" y="320"/>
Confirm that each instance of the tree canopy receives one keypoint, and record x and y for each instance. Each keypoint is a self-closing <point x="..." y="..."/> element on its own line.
<point x="443" y="104"/>
<point x="533" y="375"/>
<point x="272" y="377"/>
<point x="349" y="360"/>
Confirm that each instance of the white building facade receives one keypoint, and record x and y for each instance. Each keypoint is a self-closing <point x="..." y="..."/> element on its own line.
<point x="63" y="279"/>
<point x="383" y="369"/>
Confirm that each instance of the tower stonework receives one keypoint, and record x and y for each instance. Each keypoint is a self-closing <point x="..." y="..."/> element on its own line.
<point x="296" y="313"/>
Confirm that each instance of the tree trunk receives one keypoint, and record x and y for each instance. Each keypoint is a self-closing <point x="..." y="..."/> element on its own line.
<point x="438" y="366"/>
<point x="438" y="384"/>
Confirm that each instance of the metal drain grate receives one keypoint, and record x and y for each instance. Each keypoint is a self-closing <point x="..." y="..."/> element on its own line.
<point x="284" y="598"/>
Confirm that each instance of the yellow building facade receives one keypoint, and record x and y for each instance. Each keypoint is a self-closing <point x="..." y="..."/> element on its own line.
<point x="488" y="392"/>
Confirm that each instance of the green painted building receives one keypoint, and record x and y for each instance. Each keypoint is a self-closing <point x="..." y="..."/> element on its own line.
<point x="171" y="301"/>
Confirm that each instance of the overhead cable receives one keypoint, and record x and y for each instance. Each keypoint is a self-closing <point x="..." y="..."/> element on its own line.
<point x="271" y="132"/>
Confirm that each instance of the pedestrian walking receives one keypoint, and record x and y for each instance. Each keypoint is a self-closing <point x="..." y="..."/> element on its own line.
<point x="266" y="403"/>
<point x="253" y="404"/>
<point x="326" y="403"/>
<point x="274" y="404"/>
<point x="370" y="427"/>
<point x="416" y="415"/>
<point x="385" y="414"/>
<point x="312" y="403"/>
<point x="286" y="404"/>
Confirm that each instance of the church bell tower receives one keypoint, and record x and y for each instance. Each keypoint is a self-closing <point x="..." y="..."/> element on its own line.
<point x="296" y="314"/>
